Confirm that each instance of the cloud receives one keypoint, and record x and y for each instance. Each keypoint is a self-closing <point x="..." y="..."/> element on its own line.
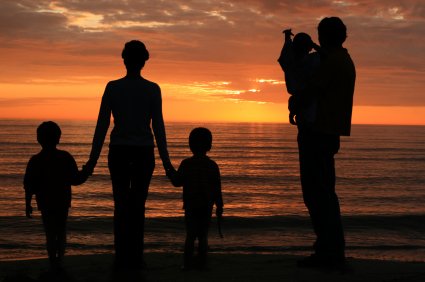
<point x="35" y="101"/>
<point x="191" y="41"/>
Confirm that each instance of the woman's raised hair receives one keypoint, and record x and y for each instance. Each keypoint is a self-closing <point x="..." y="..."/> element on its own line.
<point x="135" y="50"/>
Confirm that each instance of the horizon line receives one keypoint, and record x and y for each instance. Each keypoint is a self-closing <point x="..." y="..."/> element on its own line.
<point x="192" y="122"/>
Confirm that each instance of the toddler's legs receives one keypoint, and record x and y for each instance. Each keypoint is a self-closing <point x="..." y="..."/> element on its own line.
<point x="189" y="246"/>
<point x="54" y="222"/>
<point x="202" y="250"/>
<point x="61" y="234"/>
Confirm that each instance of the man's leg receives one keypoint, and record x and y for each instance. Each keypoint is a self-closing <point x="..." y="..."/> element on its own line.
<point x="335" y="242"/>
<point x="317" y="172"/>
<point x="309" y="178"/>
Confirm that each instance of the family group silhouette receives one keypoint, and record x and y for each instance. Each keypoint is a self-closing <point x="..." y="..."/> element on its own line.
<point x="321" y="88"/>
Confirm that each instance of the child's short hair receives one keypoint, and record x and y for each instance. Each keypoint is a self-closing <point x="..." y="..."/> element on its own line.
<point x="200" y="140"/>
<point x="302" y="42"/>
<point x="48" y="134"/>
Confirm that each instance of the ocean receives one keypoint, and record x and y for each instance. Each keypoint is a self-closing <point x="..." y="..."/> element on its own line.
<point x="380" y="182"/>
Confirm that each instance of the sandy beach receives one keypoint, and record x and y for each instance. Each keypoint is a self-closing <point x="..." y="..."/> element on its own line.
<point x="222" y="267"/>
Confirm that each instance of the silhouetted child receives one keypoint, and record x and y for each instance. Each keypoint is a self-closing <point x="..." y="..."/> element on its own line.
<point x="299" y="64"/>
<point x="49" y="175"/>
<point x="200" y="178"/>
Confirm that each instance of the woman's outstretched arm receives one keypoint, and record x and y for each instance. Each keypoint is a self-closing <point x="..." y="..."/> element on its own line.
<point x="102" y="126"/>
<point x="159" y="129"/>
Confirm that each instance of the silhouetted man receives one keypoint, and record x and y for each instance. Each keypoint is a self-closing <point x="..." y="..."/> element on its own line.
<point x="318" y="141"/>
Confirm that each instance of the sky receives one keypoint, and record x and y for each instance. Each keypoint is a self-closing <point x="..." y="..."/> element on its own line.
<point x="214" y="60"/>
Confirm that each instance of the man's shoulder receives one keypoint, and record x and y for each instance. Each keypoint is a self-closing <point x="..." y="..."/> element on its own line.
<point x="115" y="82"/>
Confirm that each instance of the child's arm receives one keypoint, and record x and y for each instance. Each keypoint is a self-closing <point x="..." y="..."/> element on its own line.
<point x="78" y="177"/>
<point x="286" y="52"/>
<point x="81" y="176"/>
<point x="288" y="33"/>
<point x="28" y="187"/>
<point x="175" y="177"/>
<point x="28" y="207"/>
<point x="317" y="47"/>
<point x="219" y="197"/>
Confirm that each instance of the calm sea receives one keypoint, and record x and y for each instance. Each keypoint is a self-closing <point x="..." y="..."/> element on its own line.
<point x="381" y="181"/>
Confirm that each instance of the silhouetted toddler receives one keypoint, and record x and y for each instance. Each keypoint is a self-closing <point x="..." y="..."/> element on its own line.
<point x="200" y="178"/>
<point x="49" y="175"/>
<point x="299" y="64"/>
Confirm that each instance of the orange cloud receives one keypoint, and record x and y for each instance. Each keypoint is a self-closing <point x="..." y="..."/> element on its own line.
<point x="66" y="51"/>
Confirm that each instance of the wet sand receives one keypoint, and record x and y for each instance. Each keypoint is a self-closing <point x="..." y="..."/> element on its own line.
<point x="222" y="267"/>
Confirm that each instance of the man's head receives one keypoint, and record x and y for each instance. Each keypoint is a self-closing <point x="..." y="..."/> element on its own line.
<point x="332" y="32"/>
<point x="135" y="55"/>
<point x="48" y="134"/>
<point x="200" y="140"/>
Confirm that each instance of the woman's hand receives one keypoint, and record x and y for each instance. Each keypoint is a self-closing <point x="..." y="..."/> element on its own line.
<point x="89" y="167"/>
<point x="167" y="165"/>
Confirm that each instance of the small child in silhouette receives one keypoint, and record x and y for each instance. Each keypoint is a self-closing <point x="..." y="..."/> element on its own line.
<point x="299" y="64"/>
<point x="49" y="175"/>
<point x="200" y="178"/>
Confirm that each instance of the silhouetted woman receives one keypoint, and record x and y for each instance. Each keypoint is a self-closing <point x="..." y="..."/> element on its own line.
<point x="135" y="104"/>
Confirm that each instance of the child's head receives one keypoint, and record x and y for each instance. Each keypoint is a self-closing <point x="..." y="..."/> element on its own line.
<point x="302" y="44"/>
<point x="48" y="134"/>
<point x="200" y="140"/>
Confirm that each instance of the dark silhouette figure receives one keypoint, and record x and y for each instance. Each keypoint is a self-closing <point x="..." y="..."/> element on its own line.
<point x="135" y="104"/>
<point x="299" y="65"/>
<point x="49" y="175"/>
<point x="200" y="178"/>
<point x="319" y="140"/>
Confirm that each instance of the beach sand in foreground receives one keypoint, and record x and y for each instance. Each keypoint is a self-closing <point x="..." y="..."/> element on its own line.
<point x="222" y="267"/>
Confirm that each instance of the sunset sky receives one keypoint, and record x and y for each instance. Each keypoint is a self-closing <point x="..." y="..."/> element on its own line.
<point x="214" y="60"/>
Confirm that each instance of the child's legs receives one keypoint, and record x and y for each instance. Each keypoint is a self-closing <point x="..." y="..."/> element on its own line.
<point x="61" y="219"/>
<point x="189" y="246"/>
<point x="50" y="231"/>
<point x="54" y="222"/>
<point x="203" y="222"/>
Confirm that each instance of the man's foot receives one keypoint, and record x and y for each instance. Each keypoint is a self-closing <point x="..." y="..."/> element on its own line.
<point x="186" y="267"/>
<point x="310" y="261"/>
<point x="321" y="261"/>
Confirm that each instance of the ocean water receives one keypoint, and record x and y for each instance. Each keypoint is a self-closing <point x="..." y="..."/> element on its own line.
<point x="380" y="182"/>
